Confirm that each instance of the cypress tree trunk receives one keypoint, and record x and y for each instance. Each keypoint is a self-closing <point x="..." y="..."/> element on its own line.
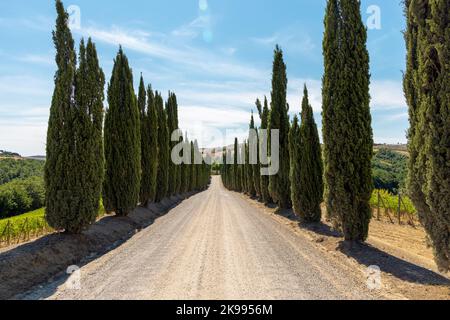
<point x="347" y="120"/>
<point x="264" y="180"/>
<point x="122" y="141"/>
<point x="279" y="187"/>
<point x="308" y="175"/>
<point x="163" y="154"/>
<point x="427" y="90"/>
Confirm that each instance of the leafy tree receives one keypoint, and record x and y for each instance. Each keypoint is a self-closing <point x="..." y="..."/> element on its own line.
<point x="427" y="91"/>
<point x="279" y="187"/>
<point x="122" y="141"/>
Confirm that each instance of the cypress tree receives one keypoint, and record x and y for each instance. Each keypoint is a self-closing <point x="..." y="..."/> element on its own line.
<point x="152" y="115"/>
<point x="224" y="168"/>
<point x="58" y="166"/>
<point x="144" y="195"/>
<point x="122" y="141"/>
<point x="149" y="143"/>
<point x="255" y="170"/>
<point x="164" y="152"/>
<point x="193" y="170"/>
<point x="74" y="166"/>
<point x="346" y="119"/>
<point x="264" y="180"/>
<point x="279" y="120"/>
<point x="306" y="166"/>
<point x="185" y="167"/>
<point x="236" y="167"/>
<point x="172" y="124"/>
<point x="427" y="91"/>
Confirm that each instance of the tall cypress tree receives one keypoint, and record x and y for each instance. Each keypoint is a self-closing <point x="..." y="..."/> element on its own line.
<point x="236" y="167"/>
<point x="279" y="120"/>
<point x="427" y="91"/>
<point x="185" y="167"/>
<point x="193" y="170"/>
<point x="172" y="124"/>
<point x="149" y="143"/>
<point x="254" y="170"/>
<point x="153" y="143"/>
<point x="346" y="119"/>
<point x="264" y="180"/>
<point x="88" y="123"/>
<point x="122" y="141"/>
<point x="60" y="133"/>
<point x="144" y="196"/>
<point x="162" y="179"/>
<point x="74" y="166"/>
<point x="307" y="195"/>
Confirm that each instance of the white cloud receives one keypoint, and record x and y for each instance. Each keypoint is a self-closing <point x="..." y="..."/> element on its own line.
<point x="37" y="59"/>
<point x="194" y="60"/>
<point x="387" y="94"/>
<point x="293" y="39"/>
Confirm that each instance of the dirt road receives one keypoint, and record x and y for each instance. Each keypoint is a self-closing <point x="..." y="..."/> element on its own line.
<point x="215" y="245"/>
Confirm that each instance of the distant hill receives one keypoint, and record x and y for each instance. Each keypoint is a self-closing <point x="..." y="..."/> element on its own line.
<point x="9" y="154"/>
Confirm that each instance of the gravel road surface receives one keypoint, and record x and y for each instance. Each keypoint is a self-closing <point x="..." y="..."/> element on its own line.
<point x="214" y="245"/>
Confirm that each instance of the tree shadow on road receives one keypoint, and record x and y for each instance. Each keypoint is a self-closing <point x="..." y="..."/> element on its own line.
<point x="370" y="256"/>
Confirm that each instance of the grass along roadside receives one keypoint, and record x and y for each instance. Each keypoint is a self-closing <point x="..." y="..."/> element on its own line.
<point x="28" y="226"/>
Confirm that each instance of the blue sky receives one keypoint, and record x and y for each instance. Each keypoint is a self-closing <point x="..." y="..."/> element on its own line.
<point x="215" y="54"/>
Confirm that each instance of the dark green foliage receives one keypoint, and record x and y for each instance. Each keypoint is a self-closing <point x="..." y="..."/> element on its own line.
<point x="74" y="163"/>
<point x="11" y="169"/>
<point x="172" y="125"/>
<point x="254" y="169"/>
<point x="347" y="120"/>
<point x="185" y="167"/>
<point x="122" y="141"/>
<point x="88" y="133"/>
<point x="279" y="120"/>
<point x="149" y="143"/>
<point x="249" y="168"/>
<point x="21" y="195"/>
<point x="193" y="170"/>
<point x="264" y="181"/>
<point x="59" y="163"/>
<point x="427" y="91"/>
<point x="163" y="147"/>
<point x="306" y="166"/>
<point x="389" y="170"/>
<point x="237" y="184"/>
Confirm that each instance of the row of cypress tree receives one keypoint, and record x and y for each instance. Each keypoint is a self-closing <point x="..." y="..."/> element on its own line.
<point x="125" y="158"/>
<point x="343" y="169"/>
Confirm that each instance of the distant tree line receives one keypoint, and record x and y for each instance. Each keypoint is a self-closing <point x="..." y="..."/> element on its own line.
<point x="21" y="195"/>
<point x="11" y="169"/>
<point x="124" y="156"/>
